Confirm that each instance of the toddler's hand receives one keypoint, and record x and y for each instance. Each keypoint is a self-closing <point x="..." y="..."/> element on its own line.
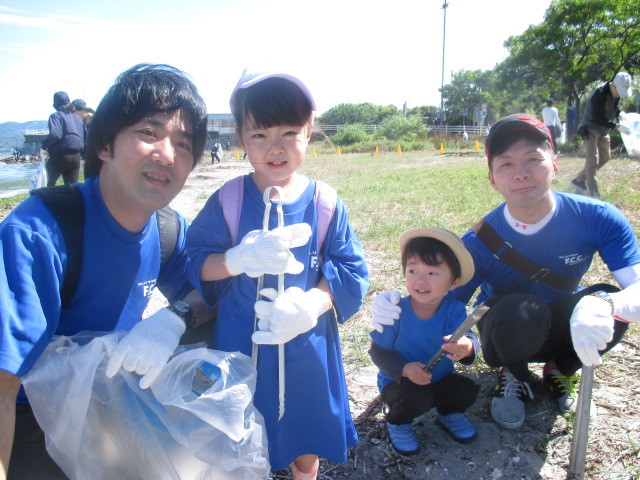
<point x="458" y="350"/>
<point x="414" y="371"/>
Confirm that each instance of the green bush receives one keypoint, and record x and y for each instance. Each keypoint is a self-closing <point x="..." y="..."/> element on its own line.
<point x="351" y="135"/>
<point x="399" y="127"/>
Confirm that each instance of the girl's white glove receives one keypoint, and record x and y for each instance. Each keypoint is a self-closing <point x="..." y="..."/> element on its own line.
<point x="385" y="309"/>
<point x="288" y="315"/>
<point x="268" y="252"/>
<point x="148" y="346"/>
<point x="591" y="328"/>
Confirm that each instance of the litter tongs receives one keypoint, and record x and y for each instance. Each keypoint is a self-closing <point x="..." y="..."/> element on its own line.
<point x="265" y="228"/>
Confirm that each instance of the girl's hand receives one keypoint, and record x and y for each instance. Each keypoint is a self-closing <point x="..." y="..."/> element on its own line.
<point x="458" y="350"/>
<point x="414" y="372"/>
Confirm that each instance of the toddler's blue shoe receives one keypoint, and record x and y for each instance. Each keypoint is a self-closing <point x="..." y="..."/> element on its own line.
<point x="402" y="439"/>
<point x="457" y="425"/>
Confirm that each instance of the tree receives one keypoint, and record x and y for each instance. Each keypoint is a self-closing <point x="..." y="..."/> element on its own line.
<point x="469" y="88"/>
<point x="363" y="113"/>
<point x="579" y="42"/>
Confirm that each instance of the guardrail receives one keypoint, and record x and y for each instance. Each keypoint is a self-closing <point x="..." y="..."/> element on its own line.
<point x="433" y="129"/>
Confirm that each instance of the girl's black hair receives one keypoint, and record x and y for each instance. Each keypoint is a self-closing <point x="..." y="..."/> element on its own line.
<point x="272" y="102"/>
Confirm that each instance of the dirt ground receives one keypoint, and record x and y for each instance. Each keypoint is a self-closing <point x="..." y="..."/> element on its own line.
<point x="538" y="450"/>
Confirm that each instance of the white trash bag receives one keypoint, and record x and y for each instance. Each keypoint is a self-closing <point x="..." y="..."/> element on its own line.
<point x="632" y="139"/>
<point x="39" y="177"/>
<point x="196" y="421"/>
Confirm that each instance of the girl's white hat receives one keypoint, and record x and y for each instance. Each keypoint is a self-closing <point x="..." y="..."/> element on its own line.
<point x="249" y="78"/>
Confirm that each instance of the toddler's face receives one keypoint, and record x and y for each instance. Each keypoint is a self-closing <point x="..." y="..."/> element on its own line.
<point x="428" y="284"/>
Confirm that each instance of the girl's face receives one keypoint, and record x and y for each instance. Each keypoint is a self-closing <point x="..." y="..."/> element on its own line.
<point x="275" y="153"/>
<point x="428" y="284"/>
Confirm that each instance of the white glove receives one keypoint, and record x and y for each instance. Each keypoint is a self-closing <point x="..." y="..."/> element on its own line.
<point x="147" y="347"/>
<point x="624" y="129"/>
<point x="591" y="328"/>
<point x="288" y="315"/>
<point x="385" y="309"/>
<point x="627" y="303"/>
<point x="268" y="252"/>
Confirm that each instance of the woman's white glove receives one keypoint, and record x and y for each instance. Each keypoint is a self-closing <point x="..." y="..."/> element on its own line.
<point x="385" y="309"/>
<point x="267" y="252"/>
<point x="288" y="315"/>
<point x="148" y="346"/>
<point x="591" y="328"/>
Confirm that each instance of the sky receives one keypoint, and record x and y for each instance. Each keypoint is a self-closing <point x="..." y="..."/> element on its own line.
<point x="346" y="51"/>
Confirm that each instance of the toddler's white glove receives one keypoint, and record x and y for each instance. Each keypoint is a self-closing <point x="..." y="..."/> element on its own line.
<point x="288" y="315"/>
<point x="268" y="252"/>
<point x="385" y="309"/>
<point x="591" y="328"/>
<point x="147" y="347"/>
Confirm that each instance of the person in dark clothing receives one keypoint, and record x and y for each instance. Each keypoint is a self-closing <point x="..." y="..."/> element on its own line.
<point x="65" y="142"/>
<point x="600" y="117"/>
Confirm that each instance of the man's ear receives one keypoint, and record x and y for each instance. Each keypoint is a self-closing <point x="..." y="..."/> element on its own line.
<point x="104" y="154"/>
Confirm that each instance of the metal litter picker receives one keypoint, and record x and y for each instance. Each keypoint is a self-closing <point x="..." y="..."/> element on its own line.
<point x="265" y="228"/>
<point x="474" y="316"/>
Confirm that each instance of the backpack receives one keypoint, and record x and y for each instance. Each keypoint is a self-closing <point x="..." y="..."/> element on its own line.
<point x="67" y="206"/>
<point x="231" y="202"/>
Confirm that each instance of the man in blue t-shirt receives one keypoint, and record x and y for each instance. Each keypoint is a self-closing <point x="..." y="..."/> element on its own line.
<point x="147" y="135"/>
<point x="544" y="316"/>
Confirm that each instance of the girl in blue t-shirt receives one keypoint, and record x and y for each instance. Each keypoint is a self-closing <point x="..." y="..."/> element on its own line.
<point x="434" y="261"/>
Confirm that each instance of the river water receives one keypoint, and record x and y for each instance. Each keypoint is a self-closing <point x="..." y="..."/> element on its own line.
<point x="14" y="178"/>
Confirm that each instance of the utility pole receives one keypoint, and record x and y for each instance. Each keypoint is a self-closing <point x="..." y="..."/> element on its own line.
<point x="444" y="32"/>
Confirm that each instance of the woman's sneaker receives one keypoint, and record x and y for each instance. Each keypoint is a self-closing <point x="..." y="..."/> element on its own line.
<point x="507" y="405"/>
<point x="402" y="439"/>
<point x="458" y="426"/>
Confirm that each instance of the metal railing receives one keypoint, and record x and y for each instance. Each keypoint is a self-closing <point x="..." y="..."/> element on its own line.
<point x="433" y="129"/>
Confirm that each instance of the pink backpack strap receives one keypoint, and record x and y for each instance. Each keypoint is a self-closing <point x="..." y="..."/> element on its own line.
<point x="231" y="202"/>
<point x="326" y="198"/>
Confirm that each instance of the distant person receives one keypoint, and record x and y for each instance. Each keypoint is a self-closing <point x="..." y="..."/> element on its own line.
<point x="84" y="112"/>
<point x="434" y="261"/>
<point x="149" y="133"/>
<point x="551" y="119"/>
<point x="65" y="143"/>
<point x="215" y="153"/>
<point x="599" y="118"/>
<point x="530" y="254"/>
<point x="16" y="152"/>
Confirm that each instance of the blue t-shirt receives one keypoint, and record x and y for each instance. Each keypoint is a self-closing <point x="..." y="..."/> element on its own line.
<point x="580" y="227"/>
<point x="417" y="340"/>
<point x="317" y="418"/>
<point x="119" y="272"/>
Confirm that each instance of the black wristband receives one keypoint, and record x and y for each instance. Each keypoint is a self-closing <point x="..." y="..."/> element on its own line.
<point x="185" y="312"/>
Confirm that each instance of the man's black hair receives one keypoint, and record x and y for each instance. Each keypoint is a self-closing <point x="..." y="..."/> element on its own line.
<point x="144" y="90"/>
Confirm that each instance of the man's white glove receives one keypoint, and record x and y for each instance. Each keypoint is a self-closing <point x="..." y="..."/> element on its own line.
<point x="288" y="315"/>
<point x="147" y="347"/>
<point x="624" y="129"/>
<point x="385" y="309"/>
<point x="591" y="328"/>
<point x="627" y="303"/>
<point x="268" y="252"/>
